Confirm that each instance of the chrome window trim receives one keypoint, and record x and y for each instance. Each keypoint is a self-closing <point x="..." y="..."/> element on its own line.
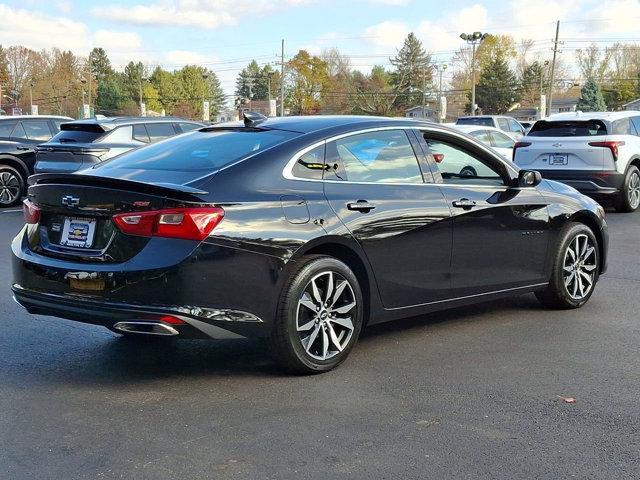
<point x="287" y="171"/>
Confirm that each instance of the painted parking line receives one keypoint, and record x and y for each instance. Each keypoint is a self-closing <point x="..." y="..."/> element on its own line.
<point x="11" y="211"/>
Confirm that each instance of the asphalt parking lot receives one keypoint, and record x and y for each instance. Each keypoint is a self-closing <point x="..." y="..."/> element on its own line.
<point x="470" y="393"/>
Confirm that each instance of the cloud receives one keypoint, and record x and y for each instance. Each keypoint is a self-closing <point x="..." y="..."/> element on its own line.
<point x="39" y="31"/>
<point x="208" y="14"/>
<point x="64" y="6"/>
<point x="443" y="36"/>
<point x="387" y="34"/>
<point x="622" y="16"/>
<point x="119" y="40"/>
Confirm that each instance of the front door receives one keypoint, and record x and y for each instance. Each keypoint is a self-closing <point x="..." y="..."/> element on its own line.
<point x="500" y="233"/>
<point x="375" y="185"/>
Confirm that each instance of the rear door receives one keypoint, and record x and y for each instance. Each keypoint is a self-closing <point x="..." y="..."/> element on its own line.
<point x="563" y="145"/>
<point x="500" y="234"/>
<point x="376" y="187"/>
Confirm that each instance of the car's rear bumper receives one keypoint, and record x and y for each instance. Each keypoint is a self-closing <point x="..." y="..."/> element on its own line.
<point x="590" y="182"/>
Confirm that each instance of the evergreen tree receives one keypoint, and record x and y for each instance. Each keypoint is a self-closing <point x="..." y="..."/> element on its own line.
<point x="110" y="97"/>
<point x="100" y="64"/>
<point x="591" y="99"/>
<point x="531" y="83"/>
<point x="412" y="72"/>
<point x="497" y="88"/>
<point x="253" y="82"/>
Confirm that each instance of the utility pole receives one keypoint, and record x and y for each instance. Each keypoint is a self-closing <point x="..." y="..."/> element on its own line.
<point x="424" y="86"/>
<point x="553" y="68"/>
<point x="250" y="91"/>
<point x="440" y="68"/>
<point x="282" y="80"/>
<point x="30" y="97"/>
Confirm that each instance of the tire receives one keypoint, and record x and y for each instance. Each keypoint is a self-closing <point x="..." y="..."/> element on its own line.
<point x="573" y="278"/>
<point x="12" y="186"/>
<point x="628" y="200"/>
<point x="468" y="172"/>
<point x="333" y="327"/>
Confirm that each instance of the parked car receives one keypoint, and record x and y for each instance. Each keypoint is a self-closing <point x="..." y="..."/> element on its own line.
<point x="506" y="124"/>
<point x="498" y="140"/>
<point x="598" y="153"/>
<point x="300" y="229"/>
<point x="527" y="126"/>
<point x="18" y="137"/>
<point x="83" y="143"/>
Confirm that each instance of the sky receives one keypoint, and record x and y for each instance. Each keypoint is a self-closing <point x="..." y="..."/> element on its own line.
<point x="224" y="35"/>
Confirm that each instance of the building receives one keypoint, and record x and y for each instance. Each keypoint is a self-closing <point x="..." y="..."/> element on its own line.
<point x="632" y="105"/>
<point x="525" y="114"/>
<point x="562" y="105"/>
<point x="426" y="113"/>
<point x="227" y="115"/>
<point x="265" y="107"/>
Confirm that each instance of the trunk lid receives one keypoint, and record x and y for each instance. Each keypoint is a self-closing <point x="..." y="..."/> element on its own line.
<point x="76" y="214"/>
<point x="54" y="157"/>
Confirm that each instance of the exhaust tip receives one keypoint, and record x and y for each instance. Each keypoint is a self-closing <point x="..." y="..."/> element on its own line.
<point x="146" y="328"/>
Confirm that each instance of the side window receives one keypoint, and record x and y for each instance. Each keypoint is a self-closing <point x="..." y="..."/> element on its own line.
<point x="187" y="127"/>
<point x="514" y="126"/>
<point x="37" y="130"/>
<point x="482" y="136"/>
<point x="160" y="131"/>
<point x="19" y="132"/>
<point x="385" y="156"/>
<point x="310" y="165"/>
<point x="457" y="165"/>
<point x="503" y="124"/>
<point x="140" y="133"/>
<point x="502" y="141"/>
<point x="636" y="124"/>
<point x="121" y="134"/>
<point x="623" y="127"/>
<point x="57" y="123"/>
<point x="6" y="128"/>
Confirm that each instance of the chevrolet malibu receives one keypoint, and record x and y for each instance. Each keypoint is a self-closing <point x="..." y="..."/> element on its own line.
<point x="302" y="230"/>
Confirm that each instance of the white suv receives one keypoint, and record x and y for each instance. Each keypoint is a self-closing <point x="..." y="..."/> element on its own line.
<point x="597" y="153"/>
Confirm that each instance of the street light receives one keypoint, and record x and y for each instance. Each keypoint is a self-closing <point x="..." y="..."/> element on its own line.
<point x="205" y="76"/>
<point x="474" y="39"/>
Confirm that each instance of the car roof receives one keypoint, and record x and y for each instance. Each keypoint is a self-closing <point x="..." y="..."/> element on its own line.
<point x="109" y="123"/>
<point x="609" y="116"/>
<point x="473" y="128"/>
<point x="26" y="117"/>
<point x="315" y="123"/>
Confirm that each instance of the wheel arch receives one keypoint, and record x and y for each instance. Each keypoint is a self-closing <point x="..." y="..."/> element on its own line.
<point x="350" y="254"/>
<point x="16" y="163"/>
<point x="635" y="161"/>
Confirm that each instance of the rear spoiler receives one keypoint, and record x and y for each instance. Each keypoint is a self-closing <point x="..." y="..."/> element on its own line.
<point x="142" y="187"/>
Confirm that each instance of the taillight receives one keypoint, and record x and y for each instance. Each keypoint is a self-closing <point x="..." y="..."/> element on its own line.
<point x="31" y="212"/>
<point x="184" y="223"/>
<point x="518" y="145"/>
<point x="611" y="145"/>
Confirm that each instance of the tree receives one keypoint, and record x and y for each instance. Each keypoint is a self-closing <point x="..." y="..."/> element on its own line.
<point x="340" y="88"/>
<point x="133" y="78"/>
<point x="531" y="83"/>
<point x="254" y="82"/>
<point x="307" y="79"/>
<point x="110" y="98"/>
<point x="497" y="88"/>
<point x="167" y="85"/>
<point x="593" y="63"/>
<point x="374" y="93"/>
<point x="591" y="99"/>
<point x="100" y="64"/>
<point x="412" y="75"/>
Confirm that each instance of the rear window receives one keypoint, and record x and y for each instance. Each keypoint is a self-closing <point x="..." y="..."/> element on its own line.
<point x="485" y="122"/>
<point x="570" y="128"/>
<point x="74" y="133"/>
<point x="199" y="151"/>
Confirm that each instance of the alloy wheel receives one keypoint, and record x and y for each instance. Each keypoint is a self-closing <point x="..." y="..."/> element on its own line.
<point x="634" y="190"/>
<point x="579" y="267"/>
<point x="9" y="188"/>
<point x="325" y="315"/>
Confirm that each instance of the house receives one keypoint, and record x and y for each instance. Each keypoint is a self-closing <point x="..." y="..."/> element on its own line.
<point x="419" y="111"/>
<point x="561" y="105"/>
<point x="265" y="107"/>
<point x="632" y="105"/>
<point x="227" y="115"/>
<point x="524" y="114"/>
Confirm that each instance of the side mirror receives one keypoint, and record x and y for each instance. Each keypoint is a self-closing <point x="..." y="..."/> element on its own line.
<point x="529" y="178"/>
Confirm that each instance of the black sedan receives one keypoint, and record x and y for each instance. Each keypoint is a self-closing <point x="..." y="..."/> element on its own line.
<point x="303" y="230"/>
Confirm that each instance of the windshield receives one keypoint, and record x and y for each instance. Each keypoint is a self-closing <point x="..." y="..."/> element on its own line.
<point x="484" y="121"/>
<point x="198" y="151"/>
<point x="568" y="128"/>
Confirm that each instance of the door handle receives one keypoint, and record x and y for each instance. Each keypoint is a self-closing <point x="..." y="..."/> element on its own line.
<point x="464" y="203"/>
<point x="361" y="206"/>
<point x="22" y="148"/>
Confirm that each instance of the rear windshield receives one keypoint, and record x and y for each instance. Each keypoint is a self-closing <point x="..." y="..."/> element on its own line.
<point x="77" y="135"/>
<point x="198" y="151"/>
<point x="485" y="122"/>
<point x="568" y="128"/>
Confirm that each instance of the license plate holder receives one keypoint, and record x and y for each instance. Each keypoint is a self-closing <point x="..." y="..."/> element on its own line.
<point x="557" y="159"/>
<point x="78" y="232"/>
